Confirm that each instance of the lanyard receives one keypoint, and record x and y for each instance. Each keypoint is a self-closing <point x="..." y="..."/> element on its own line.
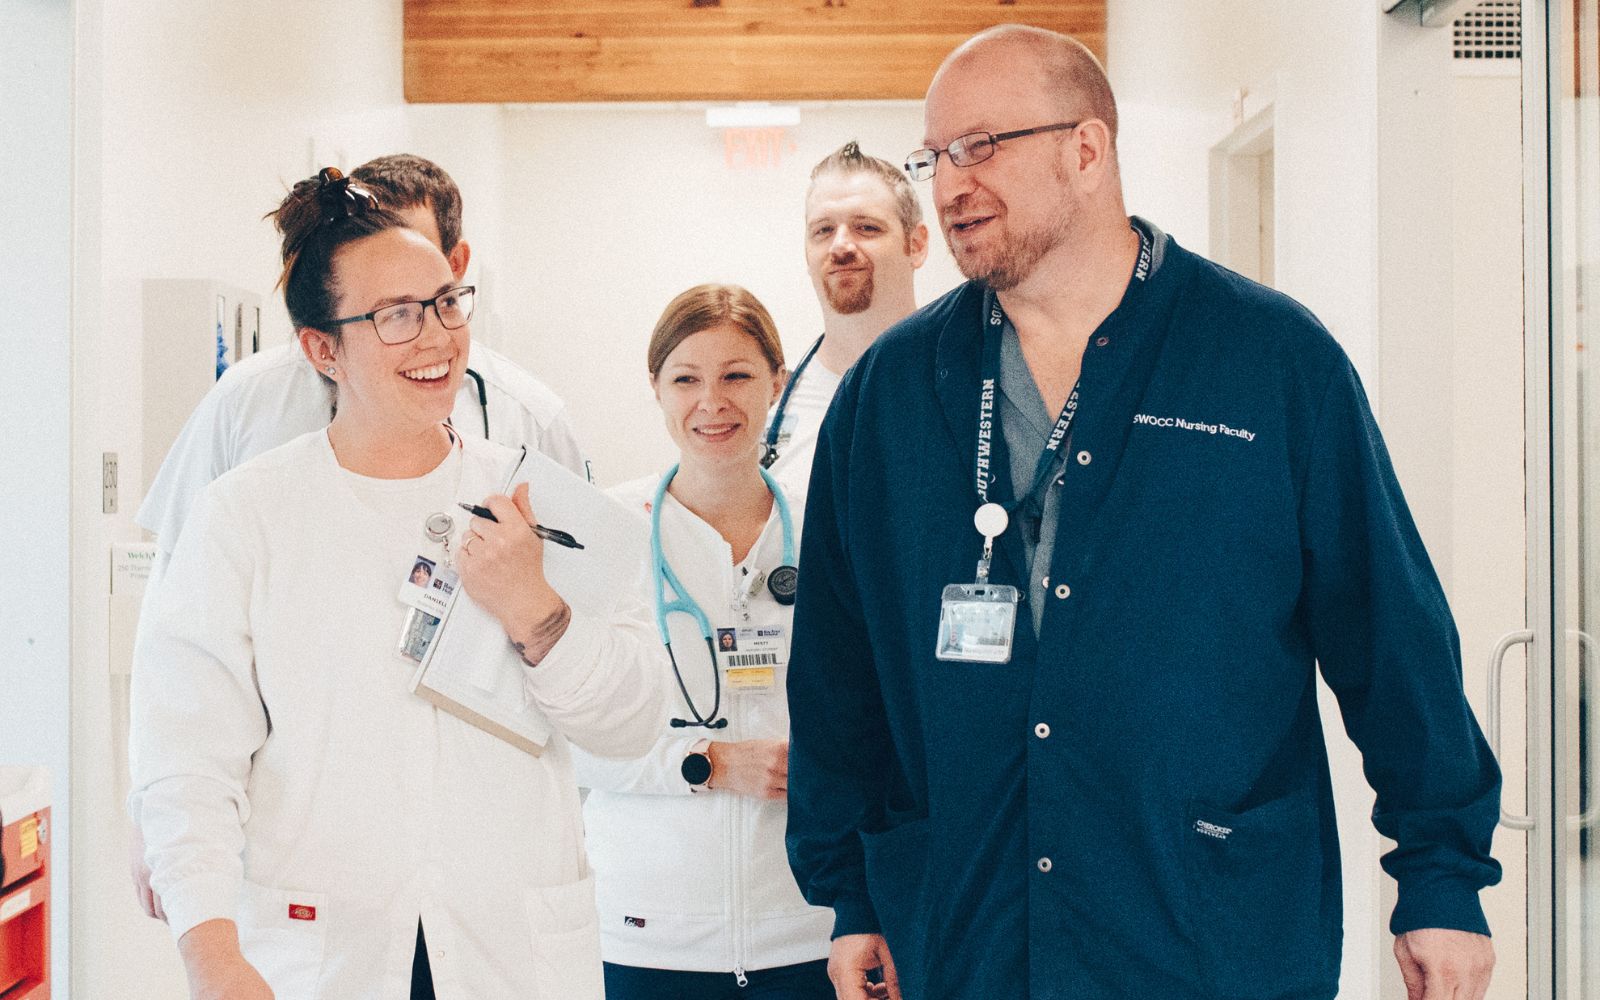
<point x="769" y="446"/>
<point x="683" y="602"/>
<point x="988" y="423"/>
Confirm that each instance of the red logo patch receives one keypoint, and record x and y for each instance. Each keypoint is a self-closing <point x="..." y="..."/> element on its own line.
<point x="299" y="911"/>
<point x="633" y="921"/>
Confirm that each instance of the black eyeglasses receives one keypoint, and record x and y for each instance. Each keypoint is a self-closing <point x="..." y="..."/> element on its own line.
<point x="401" y="323"/>
<point x="971" y="149"/>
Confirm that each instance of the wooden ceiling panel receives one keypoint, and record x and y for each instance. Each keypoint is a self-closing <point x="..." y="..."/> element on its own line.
<point x="499" y="51"/>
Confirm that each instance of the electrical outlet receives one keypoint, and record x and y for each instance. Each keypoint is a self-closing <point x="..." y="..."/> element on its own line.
<point x="108" y="482"/>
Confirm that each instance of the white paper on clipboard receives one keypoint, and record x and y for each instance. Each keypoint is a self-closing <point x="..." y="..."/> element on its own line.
<point x="471" y="670"/>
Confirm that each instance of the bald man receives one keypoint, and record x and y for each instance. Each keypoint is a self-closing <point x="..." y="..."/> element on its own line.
<point x="1078" y="536"/>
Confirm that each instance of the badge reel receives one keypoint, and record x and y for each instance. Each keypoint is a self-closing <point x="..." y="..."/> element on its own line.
<point x="429" y="590"/>
<point x="978" y="620"/>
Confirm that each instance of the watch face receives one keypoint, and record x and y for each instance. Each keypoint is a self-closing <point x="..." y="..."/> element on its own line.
<point x="696" y="768"/>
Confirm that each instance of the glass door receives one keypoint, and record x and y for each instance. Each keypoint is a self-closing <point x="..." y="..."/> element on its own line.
<point x="1566" y="883"/>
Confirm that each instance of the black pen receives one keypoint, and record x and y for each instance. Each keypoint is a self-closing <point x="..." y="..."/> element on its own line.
<point x="548" y="534"/>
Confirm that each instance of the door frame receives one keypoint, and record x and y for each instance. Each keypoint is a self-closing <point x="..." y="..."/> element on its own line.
<point x="1542" y="239"/>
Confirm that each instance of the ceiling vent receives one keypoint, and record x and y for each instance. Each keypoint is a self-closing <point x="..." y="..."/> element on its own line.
<point x="1490" y="32"/>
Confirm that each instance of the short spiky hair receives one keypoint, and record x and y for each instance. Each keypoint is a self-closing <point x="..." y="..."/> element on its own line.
<point x="404" y="181"/>
<point x="849" y="159"/>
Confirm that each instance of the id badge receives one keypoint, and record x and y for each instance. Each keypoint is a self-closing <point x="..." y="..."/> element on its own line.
<point x="417" y="634"/>
<point x="748" y="656"/>
<point x="429" y="590"/>
<point x="976" y="623"/>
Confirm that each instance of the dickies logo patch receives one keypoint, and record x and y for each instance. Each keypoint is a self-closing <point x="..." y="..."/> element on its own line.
<point x="633" y="921"/>
<point x="300" y="911"/>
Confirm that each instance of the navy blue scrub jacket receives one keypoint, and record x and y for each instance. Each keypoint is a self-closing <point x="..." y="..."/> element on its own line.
<point x="1138" y="804"/>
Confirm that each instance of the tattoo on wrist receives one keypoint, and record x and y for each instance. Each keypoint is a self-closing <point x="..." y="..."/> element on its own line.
<point x="544" y="636"/>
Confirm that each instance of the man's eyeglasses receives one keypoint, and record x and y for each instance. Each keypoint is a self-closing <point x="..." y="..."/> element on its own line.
<point x="971" y="149"/>
<point x="401" y="323"/>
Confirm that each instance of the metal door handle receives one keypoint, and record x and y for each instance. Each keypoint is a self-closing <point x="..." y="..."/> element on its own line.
<point x="1586" y="654"/>
<point x="1497" y="661"/>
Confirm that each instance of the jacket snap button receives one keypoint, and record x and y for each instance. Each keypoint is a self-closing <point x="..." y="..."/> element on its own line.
<point x="1063" y="591"/>
<point x="1042" y="731"/>
<point x="1084" y="458"/>
<point x="1044" y="864"/>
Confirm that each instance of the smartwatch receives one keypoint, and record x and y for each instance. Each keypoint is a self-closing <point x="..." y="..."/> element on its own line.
<point x="696" y="767"/>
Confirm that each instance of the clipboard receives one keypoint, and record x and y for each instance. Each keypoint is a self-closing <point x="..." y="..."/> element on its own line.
<point x="471" y="670"/>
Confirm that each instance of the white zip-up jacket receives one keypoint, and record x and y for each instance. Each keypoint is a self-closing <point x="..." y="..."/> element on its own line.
<point x="700" y="882"/>
<point x="285" y="776"/>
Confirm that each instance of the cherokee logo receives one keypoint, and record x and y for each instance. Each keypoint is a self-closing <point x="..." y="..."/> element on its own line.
<point x="1212" y="829"/>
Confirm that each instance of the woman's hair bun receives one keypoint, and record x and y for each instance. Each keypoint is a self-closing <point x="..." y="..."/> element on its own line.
<point x="341" y="197"/>
<point x="318" y="216"/>
<point x="316" y="201"/>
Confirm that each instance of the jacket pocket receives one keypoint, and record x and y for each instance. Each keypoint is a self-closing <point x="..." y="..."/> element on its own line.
<point x="281" y="933"/>
<point x="897" y="865"/>
<point x="565" y="929"/>
<point x="1256" y="893"/>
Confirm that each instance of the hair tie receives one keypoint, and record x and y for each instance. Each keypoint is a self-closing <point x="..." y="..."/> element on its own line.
<point x="340" y="197"/>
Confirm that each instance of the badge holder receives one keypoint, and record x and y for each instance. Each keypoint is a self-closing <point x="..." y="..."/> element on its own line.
<point x="977" y="621"/>
<point x="429" y="591"/>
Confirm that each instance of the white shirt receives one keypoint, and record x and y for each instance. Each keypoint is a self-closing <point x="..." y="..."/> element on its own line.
<point x="282" y="767"/>
<point x="704" y="876"/>
<point x="276" y="395"/>
<point x="802" y="419"/>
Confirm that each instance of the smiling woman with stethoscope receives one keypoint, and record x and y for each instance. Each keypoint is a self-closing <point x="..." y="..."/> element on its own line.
<point x="696" y="897"/>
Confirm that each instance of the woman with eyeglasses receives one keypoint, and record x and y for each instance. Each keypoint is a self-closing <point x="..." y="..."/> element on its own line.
<point x="314" y="829"/>
<point x="696" y="897"/>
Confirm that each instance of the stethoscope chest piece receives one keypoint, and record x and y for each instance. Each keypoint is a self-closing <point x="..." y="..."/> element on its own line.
<point x="783" y="583"/>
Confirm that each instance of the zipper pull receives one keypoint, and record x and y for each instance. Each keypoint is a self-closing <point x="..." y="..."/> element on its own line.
<point x="738" y="974"/>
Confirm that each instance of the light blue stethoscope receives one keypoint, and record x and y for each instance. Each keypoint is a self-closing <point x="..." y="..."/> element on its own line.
<point x="782" y="583"/>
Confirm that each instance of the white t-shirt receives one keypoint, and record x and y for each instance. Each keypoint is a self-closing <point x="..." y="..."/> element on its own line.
<point x="275" y="396"/>
<point x="802" y="419"/>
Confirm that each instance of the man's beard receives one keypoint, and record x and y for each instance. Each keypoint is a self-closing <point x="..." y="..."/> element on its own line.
<point x="1008" y="265"/>
<point x="849" y="300"/>
<point x="1013" y="257"/>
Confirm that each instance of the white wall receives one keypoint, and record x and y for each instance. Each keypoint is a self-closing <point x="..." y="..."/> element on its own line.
<point x="610" y="212"/>
<point x="36" y="62"/>
<point x="1180" y="71"/>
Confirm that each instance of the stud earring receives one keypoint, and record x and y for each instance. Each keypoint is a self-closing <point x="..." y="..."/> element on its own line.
<point x="330" y="369"/>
